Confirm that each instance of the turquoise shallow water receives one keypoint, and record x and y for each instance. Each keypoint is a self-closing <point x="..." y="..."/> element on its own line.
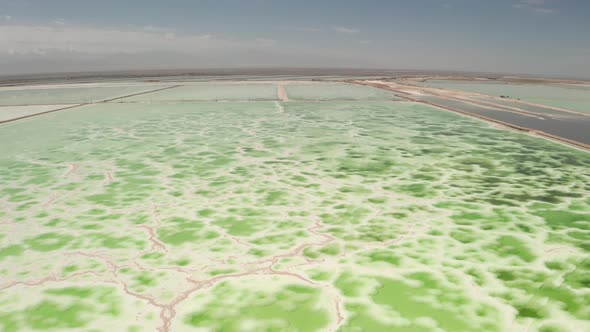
<point x="211" y="92"/>
<point x="337" y="91"/>
<point x="12" y="112"/>
<point x="71" y="95"/>
<point x="294" y="216"/>
<point x="575" y="99"/>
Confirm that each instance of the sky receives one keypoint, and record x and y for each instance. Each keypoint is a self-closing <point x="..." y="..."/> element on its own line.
<point x="542" y="37"/>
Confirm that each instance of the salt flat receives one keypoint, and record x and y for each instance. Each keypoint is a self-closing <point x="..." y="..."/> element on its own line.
<point x="12" y="112"/>
<point x="75" y="94"/>
<point x="288" y="216"/>
<point x="573" y="97"/>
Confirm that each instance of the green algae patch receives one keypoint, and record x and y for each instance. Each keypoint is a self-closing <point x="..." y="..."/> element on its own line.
<point x="464" y="235"/>
<point x="290" y="308"/>
<point x="332" y="249"/>
<point x="52" y="315"/>
<point x="180" y="231"/>
<point x="221" y="272"/>
<point x="319" y="275"/>
<point x="244" y="222"/>
<point x="353" y="196"/>
<point x="558" y="219"/>
<point x="64" y="308"/>
<point x="241" y="226"/>
<point x="407" y="301"/>
<point x="417" y="190"/>
<point x="384" y="256"/>
<point x="365" y="168"/>
<point x="103" y="240"/>
<point x="11" y="251"/>
<point x="179" y="236"/>
<point x="419" y="295"/>
<point x="183" y="262"/>
<point x="530" y="310"/>
<point x="539" y="287"/>
<point x="510" y="246"/>
<point x="580" y="277"/>
<point x="351" y="285"/>
<point x="361" y="318"/>
<point x="49" y="241"/>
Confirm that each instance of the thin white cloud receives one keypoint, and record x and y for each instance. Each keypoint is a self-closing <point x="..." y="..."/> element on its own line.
<point x="152" y="28"/>
<point x="52" y="47"/>
<point x="266" y="41"/>
<point x="57" y="39"/>
<point x="45" y="39"/>
<point x="339" y="29"/>
<point x="307" y="29"/>
<point x="345" y="30"/>
<point x="536" y="6"/>
<point x="36" y="48"/>
<point x="534" y="2"/>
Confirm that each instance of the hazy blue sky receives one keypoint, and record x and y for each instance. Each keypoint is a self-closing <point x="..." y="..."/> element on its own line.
<point x="548" y="37"/>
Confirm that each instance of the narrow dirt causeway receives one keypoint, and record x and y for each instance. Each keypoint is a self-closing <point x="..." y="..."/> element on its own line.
<point x="282" y="93"/>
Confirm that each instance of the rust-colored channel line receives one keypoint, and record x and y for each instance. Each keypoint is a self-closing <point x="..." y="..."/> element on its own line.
<point x="84" y="104"/>
<point x="406" y="96"/>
